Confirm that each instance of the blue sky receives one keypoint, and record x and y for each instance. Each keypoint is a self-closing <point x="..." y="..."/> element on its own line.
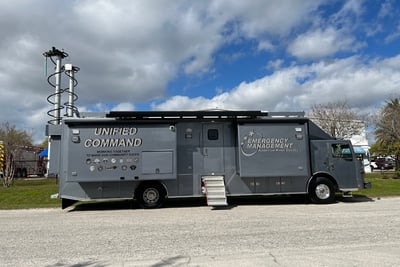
<point x="276" y="55"/>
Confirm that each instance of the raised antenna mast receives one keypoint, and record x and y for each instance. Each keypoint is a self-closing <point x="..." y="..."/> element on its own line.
<point x="70" y="71"/>
<point x="59" y="55"/>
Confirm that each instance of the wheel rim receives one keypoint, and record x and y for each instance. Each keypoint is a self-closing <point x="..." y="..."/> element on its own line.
<point x="151" y="195"/>
<point x="322" y="191"/>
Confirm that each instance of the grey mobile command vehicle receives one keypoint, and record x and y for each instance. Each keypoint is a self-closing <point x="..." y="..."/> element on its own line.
<point x="151" y="155"/>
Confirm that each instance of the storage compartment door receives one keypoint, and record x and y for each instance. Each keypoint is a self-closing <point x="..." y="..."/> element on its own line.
<point x="157" y="162"/>
<point x="273" y="150"/>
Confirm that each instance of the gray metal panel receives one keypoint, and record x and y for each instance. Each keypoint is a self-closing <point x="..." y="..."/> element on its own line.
<point x="53" y="129"/>
<point x="53" y="168"/>
<point x="297" y="184"/>
<point x="316" y="133"/>
<point x="345" y="169"/>
<point x="97" y="190"/>
<point x="273" y="150"/>
<point x="267" y="185"/>
<point x="109" y="152"/>
<point x="249" y="183"/>
<point x="157" y="162"/>
<point x="185" y="185"/>
<point x="319" y="156"/>
<point x="213" y="148"/>
<point x="188" y="142"/>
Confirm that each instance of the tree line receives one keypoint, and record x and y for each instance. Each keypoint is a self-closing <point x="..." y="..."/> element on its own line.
<point x="13" y="142"/>
<point x="340" y="121"/>
<point x="387" y="131"/>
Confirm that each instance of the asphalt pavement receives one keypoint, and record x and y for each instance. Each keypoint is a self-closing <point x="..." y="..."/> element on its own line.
<point x="363" y="232"/>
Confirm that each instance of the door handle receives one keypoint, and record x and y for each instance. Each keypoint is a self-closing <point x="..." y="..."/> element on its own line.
<point x="332" y="167"/>
<point x="329" y="165"/>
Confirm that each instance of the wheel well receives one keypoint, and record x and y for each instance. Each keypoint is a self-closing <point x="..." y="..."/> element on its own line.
<point x="325" y="175"/>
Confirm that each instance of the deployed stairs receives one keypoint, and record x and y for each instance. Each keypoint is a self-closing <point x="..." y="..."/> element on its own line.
<point x="215" y="190"/>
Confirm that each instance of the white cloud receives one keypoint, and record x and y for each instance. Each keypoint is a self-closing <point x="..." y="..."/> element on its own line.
<point x="123" y="106"/>
<point x="130" y="51"/>
<point x="265" y="45"/>
<point x="185" y="103"/>
<point x="349" y="8"/>
<point x="394" y="35"/>
<point x="300" y="87"/>
<point x="277" y="17"/>
<point x="320" y="44"/>
<point x="275" y="64"/>
<point x="386" y="9"/>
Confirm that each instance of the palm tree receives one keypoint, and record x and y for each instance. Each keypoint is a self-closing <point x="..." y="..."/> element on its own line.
<point x="387" y="131"/>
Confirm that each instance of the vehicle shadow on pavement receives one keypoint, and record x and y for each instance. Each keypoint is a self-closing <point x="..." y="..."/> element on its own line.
<point x="233" y="202"/>
<point x="132" y="204"/>
<point x="102" y="205"/>
<point x="355" y="199"/>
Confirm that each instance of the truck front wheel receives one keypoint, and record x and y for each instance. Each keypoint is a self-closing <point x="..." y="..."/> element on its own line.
<point x="150" y="195"/>
<point x="322" y="191"/>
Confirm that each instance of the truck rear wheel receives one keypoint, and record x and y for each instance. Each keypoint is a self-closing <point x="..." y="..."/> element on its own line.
<point x="322" y="191"/>
<point x="150" y="195"/>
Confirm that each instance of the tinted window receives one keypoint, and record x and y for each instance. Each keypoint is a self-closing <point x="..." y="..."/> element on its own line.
<point x="341" y="151"/>
<point x="213" y="134"/>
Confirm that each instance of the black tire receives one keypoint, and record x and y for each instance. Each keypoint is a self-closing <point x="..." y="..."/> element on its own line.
<point x="150" y="195"/>
<point x="322" y="191"/>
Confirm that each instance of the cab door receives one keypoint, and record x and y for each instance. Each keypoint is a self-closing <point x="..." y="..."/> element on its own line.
<point x="343" y="164"/>
<point x="337" y="158"/>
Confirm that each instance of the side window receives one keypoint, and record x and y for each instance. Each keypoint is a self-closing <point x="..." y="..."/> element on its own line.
<point x="212" y="134"/>
<point x="341" y="151"/>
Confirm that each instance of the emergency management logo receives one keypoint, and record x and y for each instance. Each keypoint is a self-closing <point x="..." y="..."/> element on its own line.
<point x="254" y="142"/>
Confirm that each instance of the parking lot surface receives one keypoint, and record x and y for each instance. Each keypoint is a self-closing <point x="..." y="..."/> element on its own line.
<point x="347" y="233"/>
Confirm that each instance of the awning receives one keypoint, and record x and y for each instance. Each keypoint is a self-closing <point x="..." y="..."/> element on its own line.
<point x="44" y="153"/>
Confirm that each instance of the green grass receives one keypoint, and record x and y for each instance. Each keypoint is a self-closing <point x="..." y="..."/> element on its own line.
<point x="384" y="184"/>
<point x="27" y="194"/>
<point x="35" y="193"/>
